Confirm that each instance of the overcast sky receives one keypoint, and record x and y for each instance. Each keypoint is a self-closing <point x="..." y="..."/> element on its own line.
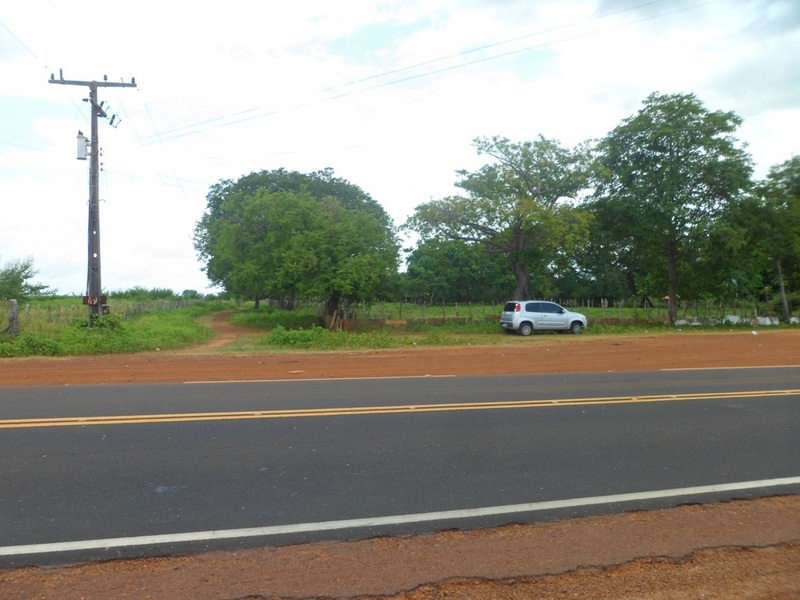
<point x="390" y="94"/>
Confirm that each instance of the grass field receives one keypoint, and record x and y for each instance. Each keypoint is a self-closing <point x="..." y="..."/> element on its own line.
<point x="58" y="327"/>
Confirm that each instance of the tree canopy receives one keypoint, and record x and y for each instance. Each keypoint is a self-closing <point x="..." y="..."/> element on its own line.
<point x="455" y="271"/>
<point x="283" y="234"/>
<point x="15" y="280"/>
<point x="664" y="175"/>
<point x="779" y="222"/>
<point x="517" y="205"/>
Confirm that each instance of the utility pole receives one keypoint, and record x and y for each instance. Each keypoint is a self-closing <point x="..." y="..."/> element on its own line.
<point x="94" y="297"/>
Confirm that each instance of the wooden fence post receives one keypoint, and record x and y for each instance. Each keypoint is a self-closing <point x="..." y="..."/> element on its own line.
<point x="13" y="319"/>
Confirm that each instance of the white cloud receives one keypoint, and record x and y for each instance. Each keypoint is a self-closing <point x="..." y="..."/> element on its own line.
<point x="388" y="93"/>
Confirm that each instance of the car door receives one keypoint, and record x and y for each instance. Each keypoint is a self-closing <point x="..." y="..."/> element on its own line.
<point x="554" y="316"/>
<point x="533" y="312"/>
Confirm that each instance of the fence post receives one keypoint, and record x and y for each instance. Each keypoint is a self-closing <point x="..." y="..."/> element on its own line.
<point x="13" y="319"/>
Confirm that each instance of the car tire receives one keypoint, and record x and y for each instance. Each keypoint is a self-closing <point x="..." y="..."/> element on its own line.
<point x="576" y="328"/>
<point x="526" y="329"/>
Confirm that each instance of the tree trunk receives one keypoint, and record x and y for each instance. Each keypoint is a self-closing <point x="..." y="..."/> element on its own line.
<point x="672" y="275"/>
<point x="787" y="315"/>
<point x="13" y="319"/>
<point x="518" y="244"/>
<point x="523" y="282"/>
<point x="332" y="306"/>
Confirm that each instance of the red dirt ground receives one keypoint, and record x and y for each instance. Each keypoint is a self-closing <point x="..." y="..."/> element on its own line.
<point x="537" y="354"/>
<point x="741" y="549"/>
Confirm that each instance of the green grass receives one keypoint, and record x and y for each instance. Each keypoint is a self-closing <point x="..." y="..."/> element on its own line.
<point x="163" y="330"/>
<point x="318" y="338"/>
<point x="435" y="330"/>
<point x="270" y="318"/>
<point x="59" y="329"/>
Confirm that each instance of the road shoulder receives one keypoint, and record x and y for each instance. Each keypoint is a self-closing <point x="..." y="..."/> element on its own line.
<point x="719" y="549"/>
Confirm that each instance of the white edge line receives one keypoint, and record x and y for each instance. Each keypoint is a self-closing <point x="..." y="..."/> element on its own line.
<point x="172" y="538"/>
<point x="731" y="368"/>
<point x="300" y="379"/>
<point x="450" y="376"/>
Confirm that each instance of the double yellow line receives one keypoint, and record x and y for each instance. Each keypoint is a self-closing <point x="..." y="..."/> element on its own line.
<point x="374" y="410"/>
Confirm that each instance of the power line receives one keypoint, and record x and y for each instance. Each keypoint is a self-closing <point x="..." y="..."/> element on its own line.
<point x="19" y="41"/>
<point x="488" y="46"/>
<point x="258" y="112"/>
<point x="27" y="146"/>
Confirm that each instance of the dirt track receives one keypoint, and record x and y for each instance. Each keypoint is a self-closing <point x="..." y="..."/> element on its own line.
<point x="748" y="549"/>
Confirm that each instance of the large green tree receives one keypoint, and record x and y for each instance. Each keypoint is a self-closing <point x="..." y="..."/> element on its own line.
<point x="284" y="234"/>
<point x="455" y="271"/>
<point x="519" y="205"/>
<point x="779" y="223"/>
<point x="665" y="174"/>
<point x="730" y="262"/>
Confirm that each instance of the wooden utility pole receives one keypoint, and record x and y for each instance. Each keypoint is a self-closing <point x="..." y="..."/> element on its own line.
<point x="94" y="289"/>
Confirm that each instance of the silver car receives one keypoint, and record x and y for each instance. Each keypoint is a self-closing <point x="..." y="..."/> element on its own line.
<point x="527" y="316"/>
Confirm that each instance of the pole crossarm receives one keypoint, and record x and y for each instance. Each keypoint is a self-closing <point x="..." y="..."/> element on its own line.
<point x="93" y="83"/>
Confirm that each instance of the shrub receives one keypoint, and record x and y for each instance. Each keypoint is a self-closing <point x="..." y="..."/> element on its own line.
<point x="30" y="344"/>
<point x="109" y="322"/>
<point x="319" y="338"/>
<point x="34" y="344"/>
<point x="270" y="318"/>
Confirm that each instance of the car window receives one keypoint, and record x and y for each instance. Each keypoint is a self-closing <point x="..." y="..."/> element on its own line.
<point x="510" y="306"/>
<point x="551" y="308"/>
<point x="533" y="307"/>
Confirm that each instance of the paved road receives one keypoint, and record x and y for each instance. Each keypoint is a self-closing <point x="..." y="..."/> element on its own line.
<point x="104" y="471"/>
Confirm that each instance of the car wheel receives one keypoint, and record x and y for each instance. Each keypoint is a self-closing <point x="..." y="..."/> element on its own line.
<point x="576" y="327"/>
<point x="526" y="329"/>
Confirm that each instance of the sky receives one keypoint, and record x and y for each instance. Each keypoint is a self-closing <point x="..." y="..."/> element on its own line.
<point x="390" y="94"/>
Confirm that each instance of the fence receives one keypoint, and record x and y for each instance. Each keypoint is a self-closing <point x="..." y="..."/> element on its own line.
<point x="46" y="316"/>
<point x="407" y="311"/>
<point x="29" y="314"/>
<point x="736" y="311"/>
<point x="635" y="309"/>
<point x="137" y="309"/>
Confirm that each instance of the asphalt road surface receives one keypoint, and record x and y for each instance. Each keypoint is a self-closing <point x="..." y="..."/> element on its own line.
<point x="97" y="472"/>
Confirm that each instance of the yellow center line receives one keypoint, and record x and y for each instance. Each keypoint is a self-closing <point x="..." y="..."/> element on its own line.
<point x="375" y="410"/>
